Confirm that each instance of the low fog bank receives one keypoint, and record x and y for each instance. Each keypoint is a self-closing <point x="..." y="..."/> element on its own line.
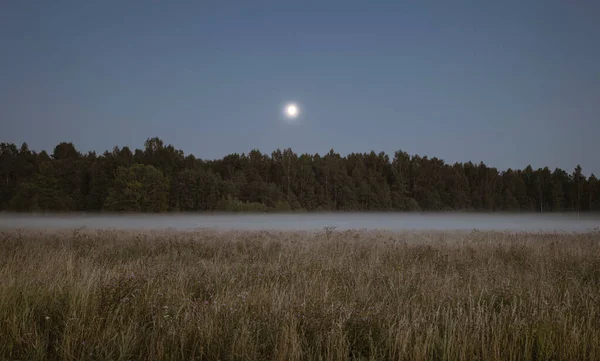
<point x="292" y="222"/>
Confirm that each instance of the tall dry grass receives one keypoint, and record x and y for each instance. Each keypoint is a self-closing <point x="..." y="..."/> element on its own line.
<point x="114" y="295"/>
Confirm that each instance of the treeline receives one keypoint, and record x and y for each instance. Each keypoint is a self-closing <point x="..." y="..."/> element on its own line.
<point x="161" y="178"/>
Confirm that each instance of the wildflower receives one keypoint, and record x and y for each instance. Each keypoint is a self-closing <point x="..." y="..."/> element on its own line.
<point x="47" y="318"/>
<point x="206" y="302"/>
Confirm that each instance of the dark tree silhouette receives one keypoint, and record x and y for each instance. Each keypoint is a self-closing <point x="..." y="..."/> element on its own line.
<point x="161" y="178"/>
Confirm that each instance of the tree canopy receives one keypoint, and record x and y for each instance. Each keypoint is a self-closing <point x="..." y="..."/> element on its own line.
<point x="161" y="178"/>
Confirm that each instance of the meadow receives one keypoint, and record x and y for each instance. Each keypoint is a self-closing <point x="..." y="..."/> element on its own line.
<point x="325" y="295"/>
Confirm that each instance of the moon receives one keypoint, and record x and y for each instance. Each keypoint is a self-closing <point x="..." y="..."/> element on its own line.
<point x="291" y="110"/>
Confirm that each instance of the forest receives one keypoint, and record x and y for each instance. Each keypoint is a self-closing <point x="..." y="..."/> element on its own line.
<point x="161" y="178"/>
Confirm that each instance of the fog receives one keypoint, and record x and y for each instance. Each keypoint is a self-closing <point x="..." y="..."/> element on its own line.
<point x="312" y="221"/>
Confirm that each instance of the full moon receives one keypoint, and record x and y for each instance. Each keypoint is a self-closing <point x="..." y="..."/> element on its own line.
<point x="291" y="110"/>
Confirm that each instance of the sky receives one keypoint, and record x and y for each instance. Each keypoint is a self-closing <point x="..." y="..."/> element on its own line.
<point x="509" y="83"/>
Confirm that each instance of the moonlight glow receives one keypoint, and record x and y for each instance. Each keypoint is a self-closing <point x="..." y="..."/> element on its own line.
<point x="291" y="110"/>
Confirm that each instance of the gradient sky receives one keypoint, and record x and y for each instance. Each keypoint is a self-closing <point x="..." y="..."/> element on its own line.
<point x="510" y="83"/>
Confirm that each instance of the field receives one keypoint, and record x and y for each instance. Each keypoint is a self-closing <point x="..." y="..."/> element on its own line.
<point x="329" y="295"/>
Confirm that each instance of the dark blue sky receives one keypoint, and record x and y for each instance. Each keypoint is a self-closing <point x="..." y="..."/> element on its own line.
<point x="510" y="83"/>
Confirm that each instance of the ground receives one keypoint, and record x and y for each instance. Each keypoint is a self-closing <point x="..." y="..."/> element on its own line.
<point x="329" y="295"/>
